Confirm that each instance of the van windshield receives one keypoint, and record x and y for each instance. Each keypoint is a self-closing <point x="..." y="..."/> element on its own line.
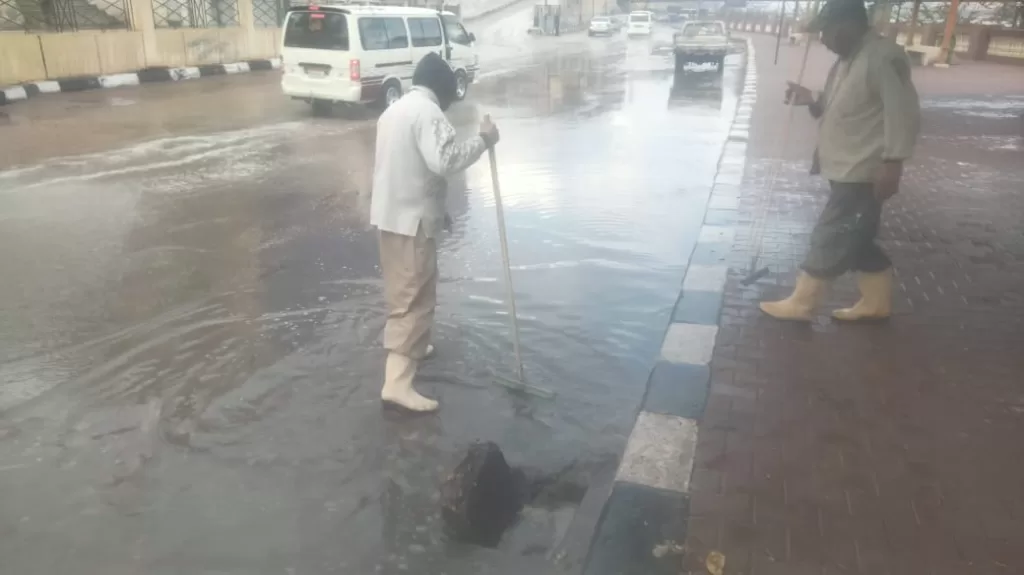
<point x="640" y="17"/>
<point x="316" y="30"/>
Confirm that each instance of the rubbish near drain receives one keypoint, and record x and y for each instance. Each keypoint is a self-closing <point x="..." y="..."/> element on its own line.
<point x="484" y="496"/>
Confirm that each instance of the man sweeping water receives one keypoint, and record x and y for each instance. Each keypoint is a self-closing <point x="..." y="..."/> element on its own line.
<point x="869" y="120"/>
<point x="416" y="150"/>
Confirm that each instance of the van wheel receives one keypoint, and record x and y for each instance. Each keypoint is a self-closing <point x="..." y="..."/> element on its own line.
<point x="322" y="107"/>
<point x="392" y="93"/>
<point x="461" y="85"/>
<point x="720" y="64"/>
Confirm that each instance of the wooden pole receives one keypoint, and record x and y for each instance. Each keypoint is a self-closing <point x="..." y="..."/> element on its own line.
<point x="951" y="19"/>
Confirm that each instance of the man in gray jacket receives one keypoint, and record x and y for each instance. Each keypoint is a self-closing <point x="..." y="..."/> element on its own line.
<point x="869" y="120"/>
<point x="416" y="150"/>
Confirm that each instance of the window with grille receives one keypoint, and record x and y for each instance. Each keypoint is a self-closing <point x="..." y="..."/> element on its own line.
<point x="267" y="13"/>
<point x="195" y="13"/>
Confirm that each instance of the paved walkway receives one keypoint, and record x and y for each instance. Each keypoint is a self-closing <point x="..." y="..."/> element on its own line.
<point x="887" y="449"/>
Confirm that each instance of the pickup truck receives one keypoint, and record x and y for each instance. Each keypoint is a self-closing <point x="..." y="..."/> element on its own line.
<point x="701" y="42"/>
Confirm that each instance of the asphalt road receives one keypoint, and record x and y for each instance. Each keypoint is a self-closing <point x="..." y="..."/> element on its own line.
<point x="192" y="311"/>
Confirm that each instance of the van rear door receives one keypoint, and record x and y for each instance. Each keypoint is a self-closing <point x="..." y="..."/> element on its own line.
<point x="316" y="44"/>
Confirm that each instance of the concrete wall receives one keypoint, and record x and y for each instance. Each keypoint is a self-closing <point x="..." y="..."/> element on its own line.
<point x="20" y="58"/>
<point x="31" y="57"/>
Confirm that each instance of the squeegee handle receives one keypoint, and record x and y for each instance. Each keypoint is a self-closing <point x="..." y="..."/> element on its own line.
<point x="513" y="318"/>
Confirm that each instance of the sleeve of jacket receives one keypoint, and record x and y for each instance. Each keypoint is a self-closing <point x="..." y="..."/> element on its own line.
<point x="444" y="155"/>
<point x="900" y="106"/>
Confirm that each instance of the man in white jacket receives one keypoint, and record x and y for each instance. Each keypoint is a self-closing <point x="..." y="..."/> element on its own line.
<point x="416" y="150"/>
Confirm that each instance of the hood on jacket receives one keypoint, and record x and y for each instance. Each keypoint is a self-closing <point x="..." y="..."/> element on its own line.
<point x="436" y="75"/>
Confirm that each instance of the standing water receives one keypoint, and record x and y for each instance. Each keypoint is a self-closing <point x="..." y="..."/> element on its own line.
<point x="190" y="335"/>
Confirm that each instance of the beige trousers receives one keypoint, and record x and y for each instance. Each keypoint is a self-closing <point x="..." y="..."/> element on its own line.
<point x="409" y="267"/>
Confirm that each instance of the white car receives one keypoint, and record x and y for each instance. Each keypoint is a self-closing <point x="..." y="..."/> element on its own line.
<point x="367" y="54"/>
<point x="702" y="42"/>
<point x="640" y="23"/>
<point x="601" y="26"/>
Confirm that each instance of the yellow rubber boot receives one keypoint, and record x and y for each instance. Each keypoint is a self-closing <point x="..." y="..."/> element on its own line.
<point x="799" y="306"/>
<point x="875" y="298"/>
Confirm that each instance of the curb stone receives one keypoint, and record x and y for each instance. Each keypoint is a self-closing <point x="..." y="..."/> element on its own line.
<point x="145" y="76"/>
<point x="649" y="502"/>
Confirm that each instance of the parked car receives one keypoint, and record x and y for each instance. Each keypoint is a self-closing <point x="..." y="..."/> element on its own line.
<point x="701" y="42"/>
<point x="367" y="54"/>
<point x="601" y="26"/>
<point x="640" y="23"/>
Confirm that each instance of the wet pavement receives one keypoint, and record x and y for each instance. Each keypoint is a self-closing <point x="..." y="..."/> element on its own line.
<point x="887" y="448"/>
<point x="190" y="333"/>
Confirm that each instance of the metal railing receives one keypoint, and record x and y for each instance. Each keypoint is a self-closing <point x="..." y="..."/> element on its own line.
<point x="64" y="15"/>
<point x="268" y="13"/>
<point x="194" y="13"/>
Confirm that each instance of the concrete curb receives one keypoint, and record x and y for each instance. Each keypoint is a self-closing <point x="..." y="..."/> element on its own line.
<point x="83" y="83"/>
<point x="649" y="502"/>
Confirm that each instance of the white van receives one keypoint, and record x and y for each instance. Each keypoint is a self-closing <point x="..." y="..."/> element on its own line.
<point x="640" y="22"/>
<point x="367" y="54"/>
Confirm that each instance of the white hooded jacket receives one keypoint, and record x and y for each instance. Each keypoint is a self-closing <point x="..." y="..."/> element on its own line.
<point x="416" y="150"/>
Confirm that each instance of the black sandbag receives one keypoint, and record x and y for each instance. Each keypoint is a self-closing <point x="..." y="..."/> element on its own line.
<point x="482" y="496"/>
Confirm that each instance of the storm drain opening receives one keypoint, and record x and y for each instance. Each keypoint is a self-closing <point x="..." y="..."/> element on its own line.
<point x="484" y="499"/>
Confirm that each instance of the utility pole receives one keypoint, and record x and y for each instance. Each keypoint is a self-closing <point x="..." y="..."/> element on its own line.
<point x="951" y="20"/>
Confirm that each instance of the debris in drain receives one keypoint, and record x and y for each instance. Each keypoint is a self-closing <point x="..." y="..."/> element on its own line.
<point x="482" y="497"/>
<point x="662" y="550"/>
<point x="715" y="563"/>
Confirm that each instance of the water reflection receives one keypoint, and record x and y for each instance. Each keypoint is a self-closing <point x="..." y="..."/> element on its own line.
<point x="700" y="88"/>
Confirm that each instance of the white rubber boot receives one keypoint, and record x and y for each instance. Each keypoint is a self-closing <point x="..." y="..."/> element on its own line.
<point x="799" y="306"/>
<point x="875" y="298"/>
<point x="399" y="371"/>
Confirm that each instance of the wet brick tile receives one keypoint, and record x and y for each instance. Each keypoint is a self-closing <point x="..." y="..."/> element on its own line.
<point x="677" y="389"/>
<point x="636" y="520"/>
<point x="886" y="449"/>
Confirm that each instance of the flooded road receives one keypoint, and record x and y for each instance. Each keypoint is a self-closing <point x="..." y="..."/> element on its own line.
<point x="192" y="313"/>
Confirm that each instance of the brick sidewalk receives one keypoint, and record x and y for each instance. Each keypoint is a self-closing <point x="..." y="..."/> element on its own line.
<point x="887" y="449"/>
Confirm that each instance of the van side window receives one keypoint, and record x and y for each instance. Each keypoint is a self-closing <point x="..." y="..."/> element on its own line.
<point x="398" y="36"/>
<point x="456" y="32"/>
<point x="383" y="33"/>
<point x="425" y="32"/>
